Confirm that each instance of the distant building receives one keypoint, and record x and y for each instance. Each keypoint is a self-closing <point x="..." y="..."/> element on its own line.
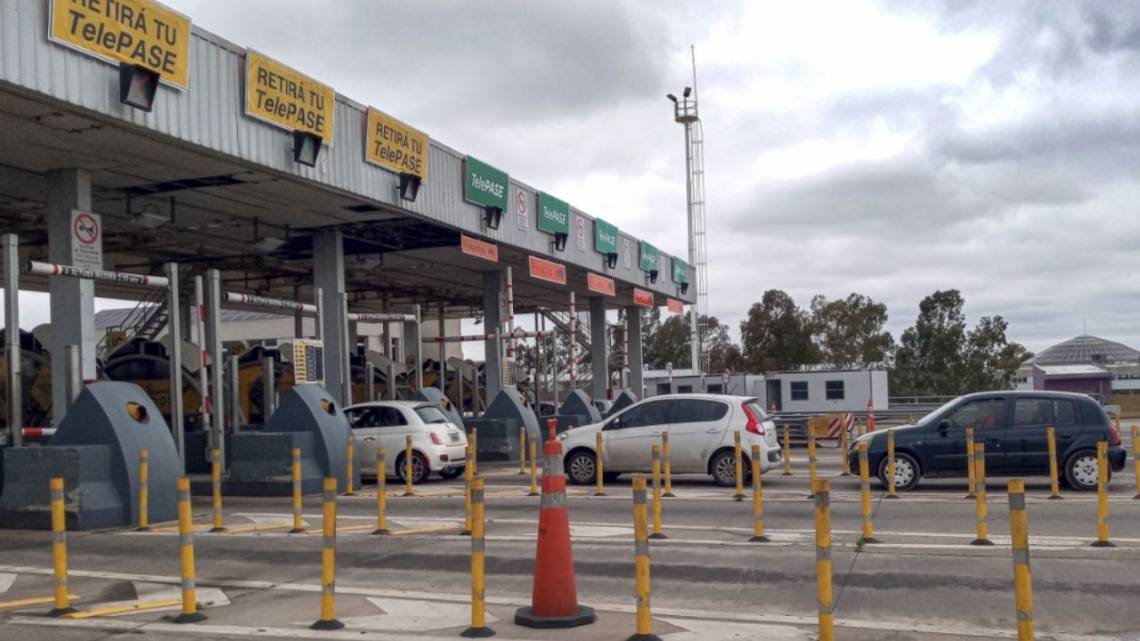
<point x="805" y="391"/>
<point x="1087" y="365"/>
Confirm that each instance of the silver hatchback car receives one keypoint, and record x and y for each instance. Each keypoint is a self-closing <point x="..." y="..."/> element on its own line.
<point x="700" y="427"/>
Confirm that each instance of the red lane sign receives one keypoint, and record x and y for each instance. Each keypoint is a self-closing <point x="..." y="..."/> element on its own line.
<point x="642" y="297"/>
<point x="675" y="306"/>
<point x="600" y="284"/>
<point x="547" y="270"/>
<point x="479" y="248"/>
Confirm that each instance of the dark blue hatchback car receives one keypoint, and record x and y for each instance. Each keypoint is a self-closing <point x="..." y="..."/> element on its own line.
<point x="1013" y="426"/>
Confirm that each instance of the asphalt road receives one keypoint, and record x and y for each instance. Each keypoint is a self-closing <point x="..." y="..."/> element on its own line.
<point x="922" y="580"/>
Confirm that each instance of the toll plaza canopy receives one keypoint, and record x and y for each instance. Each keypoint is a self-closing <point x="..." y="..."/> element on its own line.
<point x="220" y="174"/>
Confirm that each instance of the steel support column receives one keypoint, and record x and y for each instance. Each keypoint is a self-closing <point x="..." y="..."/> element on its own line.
<point x="328" y="275"/>
<point x="72" y="299"/>
<point x="174" y="356"/>
<point x="12" y="354"/>
<point x="599" y="354"/>
<point x="216" y="355"/>
<point x="636" y="361"/>
<point x="492" y="322"/>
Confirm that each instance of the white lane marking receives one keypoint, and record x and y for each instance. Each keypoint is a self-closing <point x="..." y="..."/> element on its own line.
<point x="413" y="616"/>
<point x="260" y="520"/>
<point x="724" y="631"/>
<point x="6" y="581"/>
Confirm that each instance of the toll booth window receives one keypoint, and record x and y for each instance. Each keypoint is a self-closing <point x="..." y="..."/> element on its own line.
<point x="835" y="390"/>
<point x="799" y="391"/>
<point x="716" y="388"/>
<point x="684" y="389"/>
<point x="662" y="388"/>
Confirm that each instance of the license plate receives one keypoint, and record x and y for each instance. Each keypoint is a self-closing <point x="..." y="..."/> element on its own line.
<point x="454" y="437"/>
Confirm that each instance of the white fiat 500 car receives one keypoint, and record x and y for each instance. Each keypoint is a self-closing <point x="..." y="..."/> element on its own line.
<point x="437" y="444"/>
<point x="700" y="427"/>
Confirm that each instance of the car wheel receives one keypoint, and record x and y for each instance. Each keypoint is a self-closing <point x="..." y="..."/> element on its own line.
<point x="1081" y="470"/>
<point x="453" y="473"/>
<point x="581" y="467"/>
<point x="724" y="468"/>
<point x="907" y="472"/>
<point x="420" y="469"/>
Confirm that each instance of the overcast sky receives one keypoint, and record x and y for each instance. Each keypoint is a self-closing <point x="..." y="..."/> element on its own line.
<point x="890" y="149"/>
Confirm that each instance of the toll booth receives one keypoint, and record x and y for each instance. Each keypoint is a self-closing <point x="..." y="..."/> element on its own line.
<point x="499" y="426"/>
<point x="621" y="401"/>
<point x="576" y="410"/>
<point x="96" y="451"/>
<point x="261" y="463"/>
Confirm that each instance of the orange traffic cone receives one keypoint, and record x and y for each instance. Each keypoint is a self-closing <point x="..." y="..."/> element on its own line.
<point x="554" y="599"/>
<point x="870" y="417"/>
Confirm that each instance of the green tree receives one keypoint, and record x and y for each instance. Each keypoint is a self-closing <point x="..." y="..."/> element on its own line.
<point x="940" y="356"/>
<point x="776" y="335"/>
<point x="669" y="344"/>
<point x="929" y="358"/>
<point x="723" y="353"/>
<point x="849" y="332"/>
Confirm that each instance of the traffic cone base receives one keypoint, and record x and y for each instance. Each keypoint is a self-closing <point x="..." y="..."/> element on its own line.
<point x="644" y="637"/>
<point x="477" y="633"/>
<point x="527" y="617"/>
<point x="196" y="617"/>
<point x="331" y="624"/>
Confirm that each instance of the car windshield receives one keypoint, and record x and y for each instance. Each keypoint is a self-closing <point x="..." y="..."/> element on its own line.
<point x="930" y="416"/>
<point x="429" y="414"/>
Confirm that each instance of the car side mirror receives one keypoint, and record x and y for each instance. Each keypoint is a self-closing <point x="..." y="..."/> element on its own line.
<point x="944" y="427"/>
<point x="613" y="425"/>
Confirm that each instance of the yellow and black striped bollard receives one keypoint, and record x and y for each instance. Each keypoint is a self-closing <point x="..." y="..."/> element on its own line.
<point x="409" y="466"/>
<point x="381" y="493"/>
<point x="328" y="620"/>
<point x="970" y="481"/>
<point x="298" y="522"/>
<point x="656" y="469"/>
<point x="478" y="565"/>
<point x="475" y="450"/>
<point x="349" y="465"/>
<point x="738" y="466"/>
<point x="522" y="451"/>
<point x="983" y="537"/>
<point x="190" y="613"/>
<point x="865" y="495"/>
<point x="641" y="563"/>
<point x="668" y="467"/>
<point x="822" y="492"/>
<point x="599" y="465"/>
<point x="144" y="491"/>
<point x="787" y="451"/>
<point x="533" y="467"/>
<point x="758" y="535"/>
<point x="1136" y="457"/>
<point x="1022" y="580"/>
<point x="468" y="477"/>
<point x="59" y="548"/>
<point x="1054" y="480"/>
<point x="891" y="480"/>
<point x="811" y="459"/>
<point x="843" y="448"/>
<point x="1102" y="497"/>
<point x="216" y="488"/>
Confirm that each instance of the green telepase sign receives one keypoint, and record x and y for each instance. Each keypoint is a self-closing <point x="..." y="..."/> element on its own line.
<point x="553" y="215"/>
<point x="648" y="257"/>
<point x="484" y="185"/>
<point x="605" y="237"/>
<point x="680" y="271"/>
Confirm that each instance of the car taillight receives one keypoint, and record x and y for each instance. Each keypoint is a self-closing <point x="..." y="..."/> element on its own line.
<point x="1113" y="434"/>
<point x="435" y="438"/>
<point x="754" y="425"/>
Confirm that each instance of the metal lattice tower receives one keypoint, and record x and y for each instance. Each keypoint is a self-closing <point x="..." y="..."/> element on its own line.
<point x="685" y="112"/>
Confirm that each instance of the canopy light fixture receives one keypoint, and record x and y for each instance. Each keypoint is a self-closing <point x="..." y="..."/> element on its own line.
<point x="684" y="288"/>
<point x="611" y="261"/>
<point x="653" y="276"/>
<point x="409" y="186"/>
<point x="306" y="147"/>
<point x="137" y="86"/>
<point x="560" y="241"/>
<point x="492" y="216"/>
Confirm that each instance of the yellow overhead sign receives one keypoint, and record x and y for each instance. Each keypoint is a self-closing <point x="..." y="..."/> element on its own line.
<point x="396" y="146"/>
<point x="287" y="98"/>
<point x="139" y="32"/>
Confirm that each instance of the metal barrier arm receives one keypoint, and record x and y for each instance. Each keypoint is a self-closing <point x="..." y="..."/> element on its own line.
<point x="380" y="317"/>
<point x="54" y="269"/>
<point x="266" y="301"/>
